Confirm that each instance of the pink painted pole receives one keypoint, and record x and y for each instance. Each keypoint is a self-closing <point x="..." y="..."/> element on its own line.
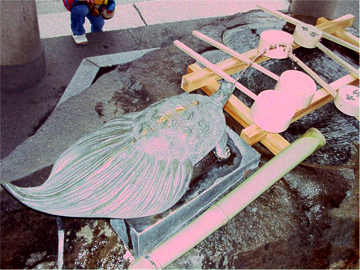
<point x="230" y="205"/>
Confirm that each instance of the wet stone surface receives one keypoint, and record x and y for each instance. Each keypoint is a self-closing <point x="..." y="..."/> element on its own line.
<point x="309" y="219"/>
<point x="340" y="136"/>
<point x="29" y="239"/>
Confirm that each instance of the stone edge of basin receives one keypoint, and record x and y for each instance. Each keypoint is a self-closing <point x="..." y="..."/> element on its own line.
<point x="89" y="67"/>
<point x="82" y="79"/>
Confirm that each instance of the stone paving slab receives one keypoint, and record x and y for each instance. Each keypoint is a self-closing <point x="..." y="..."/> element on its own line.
<point x="171" y="11"/>
<point x="58" y="24"/>
<point x="115" y="59"/>
<point x="55" y="6"/>
<point x="90" y="66"/>
<point x="136" y="14"/>
<point x="82" y="79"/>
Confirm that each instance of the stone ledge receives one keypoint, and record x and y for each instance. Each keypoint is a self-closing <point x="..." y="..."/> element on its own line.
<point x="90" y="66"/>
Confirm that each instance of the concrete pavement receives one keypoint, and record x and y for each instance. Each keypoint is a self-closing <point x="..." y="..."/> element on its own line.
<point x="54" y="19"/>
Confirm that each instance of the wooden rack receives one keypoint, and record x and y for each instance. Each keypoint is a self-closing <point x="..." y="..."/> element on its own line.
<point x="207" y="80"/>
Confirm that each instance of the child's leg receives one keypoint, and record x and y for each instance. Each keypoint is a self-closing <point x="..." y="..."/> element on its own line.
<point x="78" y="14"/>
<point x="97" y="22"/>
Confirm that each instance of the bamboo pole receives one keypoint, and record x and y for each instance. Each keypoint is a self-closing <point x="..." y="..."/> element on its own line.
<point x="230" y="205"/>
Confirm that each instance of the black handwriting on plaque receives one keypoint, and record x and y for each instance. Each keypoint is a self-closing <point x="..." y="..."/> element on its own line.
<point x="348" y="97"/>
<point x="314" y="34"/>
<point x="305" y="28"/>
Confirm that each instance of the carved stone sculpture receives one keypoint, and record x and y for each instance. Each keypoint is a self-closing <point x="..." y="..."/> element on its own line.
<point x="137" y="165"/>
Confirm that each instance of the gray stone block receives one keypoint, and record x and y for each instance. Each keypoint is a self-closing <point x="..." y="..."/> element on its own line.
<point x="143" y="234"/>
<point x="90" y="67"/>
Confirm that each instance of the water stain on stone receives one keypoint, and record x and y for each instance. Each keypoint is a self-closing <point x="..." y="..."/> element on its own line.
<point x="99" y="108"/>
<point x="134" y="99"/>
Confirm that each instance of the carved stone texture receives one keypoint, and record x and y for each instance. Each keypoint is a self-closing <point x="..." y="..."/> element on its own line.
<point x="134" y="166"/>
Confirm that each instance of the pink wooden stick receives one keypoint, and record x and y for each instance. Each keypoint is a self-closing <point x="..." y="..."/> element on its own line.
<point x="234" y="54"/>
<point x="316" y="77"/>
<point x="214" y="68"/>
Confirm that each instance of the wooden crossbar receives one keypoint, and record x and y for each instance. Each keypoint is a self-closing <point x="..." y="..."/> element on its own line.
<point x="340" y="32"/>
<point x="205" y="79"/>
<point x="333" y="25"/>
